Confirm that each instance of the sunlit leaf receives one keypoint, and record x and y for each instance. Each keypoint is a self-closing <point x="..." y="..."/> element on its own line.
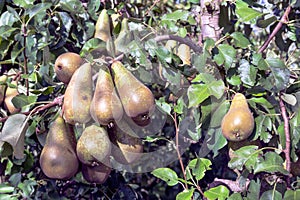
<point x="167" y="175"/>
<point x="247" y="72"/>
<point x="23" y="100"/>
<point x="186" y="194"/>
<point x="220" y="192"/>
<point x="272" y="163"/>
<point x="240" y="40"/>
<point x="271" y="194"/>
<point x="245" y="13"/>
<point x="198" y="167"/>
<point x="225" y="56"/>
<point x="292" y="194"/>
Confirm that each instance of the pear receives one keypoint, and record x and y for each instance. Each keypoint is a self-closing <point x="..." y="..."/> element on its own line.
<point x="238" y="123"/>
<point x="106" y="106"/>
<point x="58" y="158"/>
<point x="65" y="66"/>
<point x="137" y="100"/>
<point x="78" y="96"/>
<point x="3" y="79"/>
<point x="96" y="174"/>
<point x="93" y="146"/>
<point x="184" y="53"/>
<point x="9" y="95"/>
<point x="102" y="28"/>
<point x="127" y="148"/>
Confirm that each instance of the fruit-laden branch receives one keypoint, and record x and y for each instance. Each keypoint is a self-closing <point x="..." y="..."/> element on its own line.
<point x="56" y="101"/>
<point x="284" y="19"/>
<point x="182" y="40"/>
<point x="287" y="136"/>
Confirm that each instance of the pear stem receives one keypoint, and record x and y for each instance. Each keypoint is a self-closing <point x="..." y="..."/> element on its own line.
<point x="287" y="138"/>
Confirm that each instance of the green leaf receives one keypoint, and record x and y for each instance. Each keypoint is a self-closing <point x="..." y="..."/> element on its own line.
<point x="254" y="190"/>
<point x="278" y="79"/>
<point x="272" y="163"/>
<point x="235" y="196"/>
<point x="292" y="195"/>
<point x="246" y="156"/>
<point x="198" y="167"/>
<point x="218" y="114"/>
<point x="24" y="3"/>
<point x="204" y="85"/>
<point x="177" y="15"/>
<point x="264" y="23"/>
<point x="38" y="8"/>
<point x="7" y="31"/>
<point x="23" y="100"/>
<point x="271" y="194"/>
<point x="167" y="175"/>
<point x="220" y="192"/>
<point x="240" y="40"/>
<point x="246" y="14"/>
<point x="263" y="126"/>
<point x="13" y="132"/>
<point x="185" y="195"/>
<point x="226" y="55"/>
<point x="216" y="140"/>
<point x="289" y="98"/>
<point x="258" y="61"/>
<point x="247" y="72"/>
<point x="4" y="188"/>
<point x="163" y="105"/>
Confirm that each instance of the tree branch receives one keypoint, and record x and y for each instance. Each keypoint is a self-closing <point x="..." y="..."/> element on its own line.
<point x="284" y="19"/>
<point x="56" y="101"/>
<point x="24" y="31"/>
<point x="182" y="40"/>
<point x="287" y="137"/>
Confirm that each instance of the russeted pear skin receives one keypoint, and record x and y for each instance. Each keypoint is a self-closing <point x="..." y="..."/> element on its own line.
<point x="102" y="28"/>
<point x="126" y="149"/>
<point x="106" y="106"/>
<point x="93" y="146"/>
<point x="3" y="79"/>
<point x="238" y="123"/>
<point x="78" y="96"/>
<point x="136" y="98"/>
<point x="65" y="66"/>
<point x="58" y="158"/>
<point x="9" y="95"/>
<point x="96" y="174"/>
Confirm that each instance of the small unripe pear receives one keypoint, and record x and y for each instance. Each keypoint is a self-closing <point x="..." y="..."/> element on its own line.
<point x="238" y="123"/>
<point x="9" y="95"/>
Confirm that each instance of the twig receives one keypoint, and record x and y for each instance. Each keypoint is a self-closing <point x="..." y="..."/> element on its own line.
<point x="182" y="40"/>
<point x="177" y="148"/>
<point x="287" y="137"/>
<point x="56" y="101"/>
<point x="152" y="6"/>
<point x="284" y="19"/>
<point x="24" y="31"/>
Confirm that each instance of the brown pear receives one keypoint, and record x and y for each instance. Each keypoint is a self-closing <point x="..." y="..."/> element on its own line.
<point x="102" y="28"/>
<point x="58" y="158"/>
<point x="78" y="96"/>
<point x="238" y="123"/>
<point x="106" y="106"/>
<point x="3" y="79"/>
<point x="127" y="148"/>
<point x="65" y="66"/>
<point x="10" y="93"/>
<point x="96" y="174"/>
<point x="137" y="99"/>
<point x="93" y="146"/>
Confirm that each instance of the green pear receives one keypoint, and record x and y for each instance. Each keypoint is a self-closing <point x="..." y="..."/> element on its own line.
<point x="106" y="106"/>
<point x="137" y="99"/>
<point x="93" y="146"/>
<point x="127" y="148"/>
<point x="10" y="93"/>
<point x="65" y="66"/>
<point x="58" y="158"/>
<point x="238" y="123"/>
<point x="96" y="174"/>
<point x="102" y="28"/>
<point x="3" y="79"/>
<point x="78" y="96"/>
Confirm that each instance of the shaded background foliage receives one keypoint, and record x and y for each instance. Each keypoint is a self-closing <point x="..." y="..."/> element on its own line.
<point x="34" y="33"/>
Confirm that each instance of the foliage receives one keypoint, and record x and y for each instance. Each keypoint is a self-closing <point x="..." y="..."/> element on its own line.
<point x="193" y="98"/>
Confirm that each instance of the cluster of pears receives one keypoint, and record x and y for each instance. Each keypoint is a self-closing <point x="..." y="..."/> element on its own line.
<point x="117" y="96"/>
<point x="238" y="123"/>
<point x="7" y="94"/>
